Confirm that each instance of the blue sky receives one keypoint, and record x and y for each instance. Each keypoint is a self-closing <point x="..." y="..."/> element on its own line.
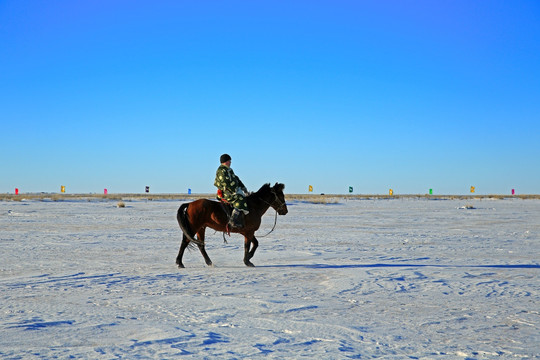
<point x="408" y="95"/>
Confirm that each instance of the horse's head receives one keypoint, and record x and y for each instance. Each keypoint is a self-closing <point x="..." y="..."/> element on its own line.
<point x="279" y="202"/>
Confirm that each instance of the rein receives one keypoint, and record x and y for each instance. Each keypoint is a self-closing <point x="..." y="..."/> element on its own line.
<point x="273" y="227"/>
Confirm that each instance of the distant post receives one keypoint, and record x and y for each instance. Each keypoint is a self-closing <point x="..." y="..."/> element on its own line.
<point x="310" y="188"/>
<point x="430" y="191"/>
<point x="350" y="189"/>
<point x="105" y="191"/>
<point x="147" y="189"/>
<point x="16" y="191"/>
<point x="189" y="191"/>
<point x="513" y="191"/>
<point x="62" y="189"/>
<point x="472" y="189"/>
<point x="391" y="192"/>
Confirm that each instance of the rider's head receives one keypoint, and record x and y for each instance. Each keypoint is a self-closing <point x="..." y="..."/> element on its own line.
<point x="225" y="159"/>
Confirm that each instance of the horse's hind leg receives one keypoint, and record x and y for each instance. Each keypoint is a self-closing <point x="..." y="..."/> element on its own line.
<point x="183" y="247"/>
<point x="200" y="236"/>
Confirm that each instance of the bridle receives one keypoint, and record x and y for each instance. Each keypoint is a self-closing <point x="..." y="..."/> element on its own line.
<point x="281" y="205"/>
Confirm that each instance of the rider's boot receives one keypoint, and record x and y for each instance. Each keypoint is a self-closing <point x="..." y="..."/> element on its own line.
<point x="237" y="219"/>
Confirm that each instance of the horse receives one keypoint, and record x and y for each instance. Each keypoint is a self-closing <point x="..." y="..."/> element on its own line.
<point x="196" y="216"/>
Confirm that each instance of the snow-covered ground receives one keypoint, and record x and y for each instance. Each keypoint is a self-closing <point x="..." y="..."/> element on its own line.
<point x="407" y="278"/>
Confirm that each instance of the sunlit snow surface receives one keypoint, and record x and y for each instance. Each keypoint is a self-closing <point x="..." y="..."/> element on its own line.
<point x="403" y="278"/>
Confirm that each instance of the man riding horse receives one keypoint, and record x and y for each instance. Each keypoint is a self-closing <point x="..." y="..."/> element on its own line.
<point x="232" y="190"/>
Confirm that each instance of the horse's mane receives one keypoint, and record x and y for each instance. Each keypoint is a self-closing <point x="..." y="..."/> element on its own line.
<point x="266" y="189"/>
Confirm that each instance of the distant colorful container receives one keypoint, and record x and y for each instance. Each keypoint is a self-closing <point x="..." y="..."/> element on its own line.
<point x="513" y="191"/>
<point x="105" y="191"/>
<point x="16" y="191"/>
<point x="62" y="189"/>
<point x="391" y="192"/>
<point x="430" y="191"/>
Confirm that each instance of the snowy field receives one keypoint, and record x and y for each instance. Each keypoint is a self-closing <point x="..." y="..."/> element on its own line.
<point x="394" y="279"/>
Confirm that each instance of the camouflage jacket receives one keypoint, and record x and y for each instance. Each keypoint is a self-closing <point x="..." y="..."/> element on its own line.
<point x="227" y="181"/>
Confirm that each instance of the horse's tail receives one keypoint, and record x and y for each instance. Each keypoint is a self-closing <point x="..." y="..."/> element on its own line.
<point x="183" y="221"/>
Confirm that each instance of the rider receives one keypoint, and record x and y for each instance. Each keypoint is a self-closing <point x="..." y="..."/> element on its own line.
<point x="231" y="188"/>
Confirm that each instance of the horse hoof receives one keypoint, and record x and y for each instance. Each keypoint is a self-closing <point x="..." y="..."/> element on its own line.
<point x="181" y="266"/>
<point x="249" y="263"/>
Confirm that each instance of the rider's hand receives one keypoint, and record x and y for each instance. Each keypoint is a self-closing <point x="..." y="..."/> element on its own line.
<point x="240" y="191"/>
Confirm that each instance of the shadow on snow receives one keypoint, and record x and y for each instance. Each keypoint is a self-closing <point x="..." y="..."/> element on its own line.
<point x="382" y="265"/>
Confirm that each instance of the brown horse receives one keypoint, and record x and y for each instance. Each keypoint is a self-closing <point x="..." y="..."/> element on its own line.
<point x="196" y="216"/>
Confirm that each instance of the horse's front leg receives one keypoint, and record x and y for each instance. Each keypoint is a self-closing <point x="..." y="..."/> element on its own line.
<point x="250" y="245"/>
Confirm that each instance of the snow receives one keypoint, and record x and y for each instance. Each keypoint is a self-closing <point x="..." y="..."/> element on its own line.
<point x="407" y="278"/>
